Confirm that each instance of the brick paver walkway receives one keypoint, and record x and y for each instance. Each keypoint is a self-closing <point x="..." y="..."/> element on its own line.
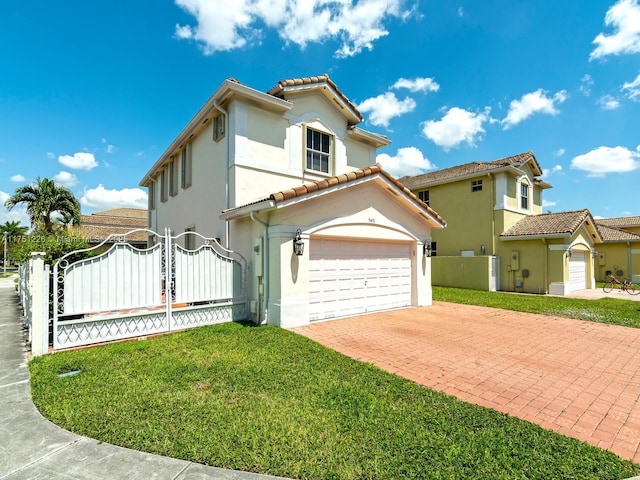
<point x="581" y="379"/>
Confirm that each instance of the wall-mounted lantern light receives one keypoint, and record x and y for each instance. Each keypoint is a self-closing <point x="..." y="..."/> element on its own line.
<point x="594" y="253"/>
<point x="569" y="253"/>
<point x="427" y="248"/>
<point x="298" y="244"/>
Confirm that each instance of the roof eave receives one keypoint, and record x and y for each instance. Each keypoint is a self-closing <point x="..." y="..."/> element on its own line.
<point x="375" y="139"/>
<point x="227" y="90"/>
<point x="261" y="206"/>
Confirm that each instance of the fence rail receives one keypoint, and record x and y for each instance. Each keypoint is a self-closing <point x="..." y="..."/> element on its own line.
<point x="127" y="292"/>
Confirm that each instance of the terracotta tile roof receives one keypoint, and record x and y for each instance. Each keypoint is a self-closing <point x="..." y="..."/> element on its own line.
<point x="97" y="226"/>
<point x="549" y="224"/>
<point x="471" y="169"/>
<point x="620" y="222"/>
<point x="610" y="234"/>
<point x="323" y="184"/>
<point x="278" y="89"/>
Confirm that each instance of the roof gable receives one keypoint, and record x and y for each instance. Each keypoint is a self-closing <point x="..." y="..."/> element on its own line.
<point x="300" y="192"/>
<point x="474" y="168"/>
<point x="286" y="88"/>
<point x="560" y="224"/>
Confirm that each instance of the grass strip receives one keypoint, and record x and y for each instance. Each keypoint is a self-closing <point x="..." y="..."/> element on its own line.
<point x="612" y="311"/>
<point x="263" y="399"/>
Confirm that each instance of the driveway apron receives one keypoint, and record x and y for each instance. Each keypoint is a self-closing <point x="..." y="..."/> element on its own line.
<point x="580" y="379"/>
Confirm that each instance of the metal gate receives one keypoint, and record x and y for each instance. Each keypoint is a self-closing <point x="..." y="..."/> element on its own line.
<point x="128" y="292"/>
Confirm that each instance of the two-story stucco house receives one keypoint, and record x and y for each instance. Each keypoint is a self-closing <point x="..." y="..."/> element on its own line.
<point x="263" y="171"/>
<point x="497" y="237"/>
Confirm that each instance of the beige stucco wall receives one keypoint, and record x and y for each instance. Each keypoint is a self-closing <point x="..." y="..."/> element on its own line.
<point x="367" y="211"/>
<point x="462" y="272"/>
<point x="616" y="256"/>
<point x="468" y="215"/>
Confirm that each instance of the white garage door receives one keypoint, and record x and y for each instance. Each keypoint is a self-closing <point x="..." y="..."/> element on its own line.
<point x="577" y="271"/>
<point x="352" y="277"/>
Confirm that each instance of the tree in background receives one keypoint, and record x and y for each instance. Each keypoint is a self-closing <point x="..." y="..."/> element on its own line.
<point x="13" y="229"/>
<point x="43" y="198"/>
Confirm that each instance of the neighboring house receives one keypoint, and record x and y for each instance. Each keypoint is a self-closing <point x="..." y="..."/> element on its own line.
<point x="497" y="237"/>
<point x="619" y="253"/>
<point x="263" y="172"/>
<point x="117" y="222"/>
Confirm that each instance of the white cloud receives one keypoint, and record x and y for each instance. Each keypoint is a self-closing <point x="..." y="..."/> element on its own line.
<point x="547" y="203"/>
<point x="632" y="89"/>
<point x="229" y="24"/>
<point x="547" y="172"/>
<point x="455" y="127"/>
<point x="532" y="103"/>
<point x="420" y="84"/>
<point x="103" y="199"/>
<point x="407" y="161"/>
<point x="51" y="155"/>
<point x="79" y="161"/>
<point x="17" y="213"/>
<point x="111" y="148"/>
<point x="66" y="179"/>
<point x="607" y="102"/>
<point x="385" y="107"/>
<point x="18" y="178"/>
<point x="559" y="152"/>
<point x="624" y="17"/>
<point x="603" y="160"/>
<point x="586" y="82"/>
<point x="460" y="12"/>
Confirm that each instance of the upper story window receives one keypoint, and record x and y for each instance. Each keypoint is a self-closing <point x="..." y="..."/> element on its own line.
<point x="173" y="178"/>
<point x="190" y="240"/>
<point x="218" y="127"/>
<point x="318" y="150"/>
<point x="476" y="185"/>
<point x="424" y="196"/>
<point x="434" y="249"/>
<point x="186" y="168"/>
<point x="152" y="195"/>
<point x="524" y="196"/>
<point x="164" y="191"/>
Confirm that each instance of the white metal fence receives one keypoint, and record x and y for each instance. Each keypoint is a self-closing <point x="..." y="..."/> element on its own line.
<point x="127" y="292"/>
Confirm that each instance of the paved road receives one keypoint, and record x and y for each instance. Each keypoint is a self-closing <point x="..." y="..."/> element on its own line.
<point x="581" y="379"/>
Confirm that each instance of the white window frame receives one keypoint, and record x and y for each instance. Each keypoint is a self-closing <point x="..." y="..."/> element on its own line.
<point x="423" y="196"/>
<point x="525" y="196"/>
<point x="329" y="153"/>
<point x="186" y="166"/>
<point x="476" y="185"/>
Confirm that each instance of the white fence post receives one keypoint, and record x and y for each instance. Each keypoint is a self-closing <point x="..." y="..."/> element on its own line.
<point x="39" y="306"/>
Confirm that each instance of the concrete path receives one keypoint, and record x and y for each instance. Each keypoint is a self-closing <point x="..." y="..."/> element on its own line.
<point x="33" y="448"/>
<point x="581" y="379"/>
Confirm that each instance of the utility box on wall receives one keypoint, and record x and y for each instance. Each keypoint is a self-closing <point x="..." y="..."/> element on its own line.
<point x="602" y="259"/>
<point x="515" y="260"/>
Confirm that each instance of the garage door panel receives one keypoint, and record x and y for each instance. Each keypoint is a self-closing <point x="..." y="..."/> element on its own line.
<point x="577" y="271"/>
<point x="350" y="278"/>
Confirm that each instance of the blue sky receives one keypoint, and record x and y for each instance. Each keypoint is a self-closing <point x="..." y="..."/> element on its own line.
<point x="91" y="93"/>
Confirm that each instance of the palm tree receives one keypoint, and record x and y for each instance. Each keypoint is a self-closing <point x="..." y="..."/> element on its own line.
<point x="13" y="229"/>
<point x="44" y="198"/>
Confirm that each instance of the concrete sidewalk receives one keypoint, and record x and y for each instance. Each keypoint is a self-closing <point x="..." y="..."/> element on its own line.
<point x="31" y="447"/>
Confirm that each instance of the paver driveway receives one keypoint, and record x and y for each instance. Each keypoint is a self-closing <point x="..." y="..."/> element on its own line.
<point x="581" y="379"/>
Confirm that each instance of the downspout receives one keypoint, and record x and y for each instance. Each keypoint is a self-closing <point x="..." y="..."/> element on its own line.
<point x="226" y="183"/>
<point x="493" y="215"/>
<point x="265" y="268"/>
<point x="545" y="274"/>
<point x="630" y="266"/>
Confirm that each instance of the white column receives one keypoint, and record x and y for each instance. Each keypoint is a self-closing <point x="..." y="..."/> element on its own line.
<point x="39" y="306"/>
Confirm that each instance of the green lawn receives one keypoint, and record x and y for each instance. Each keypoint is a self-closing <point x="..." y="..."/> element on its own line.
<point x="267" y="400"/>
<point x="606" y="310"/>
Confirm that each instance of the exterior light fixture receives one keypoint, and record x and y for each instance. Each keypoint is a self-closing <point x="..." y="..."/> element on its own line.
<point x="298" y="244"/>
<point x="569" y="253"/>
<point x="594" y="253"/>
<point x="427" y="248"/>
